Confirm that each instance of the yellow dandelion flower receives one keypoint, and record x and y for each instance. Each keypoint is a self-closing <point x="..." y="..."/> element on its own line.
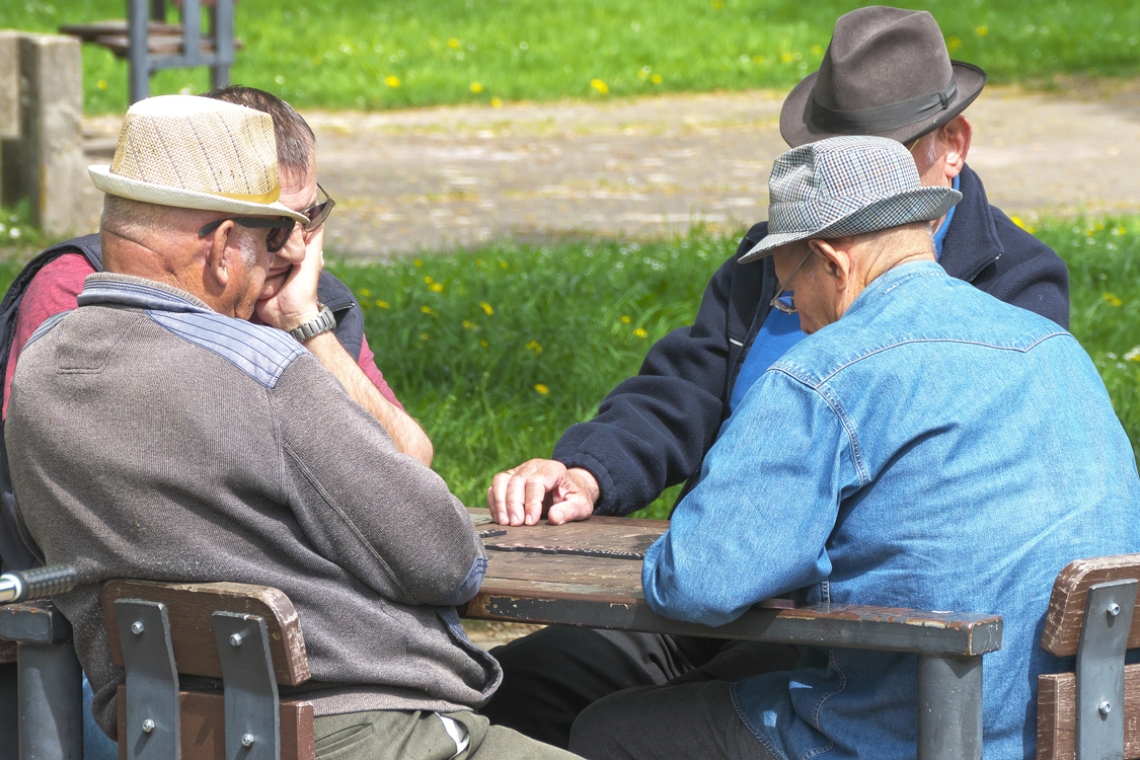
<point x="787" y="57"/>
<point x="816" y="50"/>
<point x="470" y="325"/>
<point x="102" y="84"/>
<point x="429" y="310"/>
<point x="417" y="263"/>
<point x="758" y="59"/>
<point x="436" y="287"/>
<point x="656" y="79"/>
<point x="718" y="5"/>
<point x="476" y="88"/>
<point x="365" y="293"/>
<point x="486" y="308"/>
<point x="982" y="31"/>
<point x="453" y="43"/>
<point x="423" y="336"/>
<point x="534" y="347"/>
<point x="1119" y="231"/>
<point x="542" y="389"/>
<point x="600" y="86"/>
<point x="428" y="280"/>
<point x="1018" y="221"/>
<point x="1113" y="300"/>
<point x="953" y="44"/>
<point x="382" y="305"/>
<point x="496" y="103"/>
<point x="392" y="81"/>
<point x="503" y="264"/>
<point x="625" y="320"/>
<point x="484" y="343"/>
<point x="641" y="333"/>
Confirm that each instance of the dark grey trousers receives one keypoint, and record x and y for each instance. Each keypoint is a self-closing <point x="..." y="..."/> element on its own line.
<point x="686" y="721"/>
<point x="551" y="676"/>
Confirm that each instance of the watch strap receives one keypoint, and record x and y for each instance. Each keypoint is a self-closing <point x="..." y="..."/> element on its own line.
<point x="322" y="323"/>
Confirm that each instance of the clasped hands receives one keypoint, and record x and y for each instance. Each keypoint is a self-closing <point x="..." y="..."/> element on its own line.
<point x="542" y="488"/>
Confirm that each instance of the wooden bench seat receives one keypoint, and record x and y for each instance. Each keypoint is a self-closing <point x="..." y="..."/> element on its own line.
<point x="161" y="39"/>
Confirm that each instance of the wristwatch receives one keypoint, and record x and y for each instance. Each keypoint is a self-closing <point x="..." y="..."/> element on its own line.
<point x="322" y="323"/>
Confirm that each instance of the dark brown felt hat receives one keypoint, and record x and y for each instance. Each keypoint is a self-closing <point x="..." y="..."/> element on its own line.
<point x="886" y="73"/>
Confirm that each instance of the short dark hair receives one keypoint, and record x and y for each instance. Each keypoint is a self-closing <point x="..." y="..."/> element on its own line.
<point x="295" y="139"/>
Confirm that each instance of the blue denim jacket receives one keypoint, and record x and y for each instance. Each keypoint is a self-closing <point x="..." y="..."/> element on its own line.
<point x="936" y="449"/>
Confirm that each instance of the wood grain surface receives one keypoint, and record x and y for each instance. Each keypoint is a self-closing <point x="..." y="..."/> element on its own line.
<point x="203" y="719"/>
<point x="1057" y="715"/>
<point x="1067" y="604"/>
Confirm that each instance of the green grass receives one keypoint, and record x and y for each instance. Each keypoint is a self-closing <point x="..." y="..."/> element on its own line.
<point x="377" y="54"/>
<point x="558" y="319"/>
<point x="499" y="350"/>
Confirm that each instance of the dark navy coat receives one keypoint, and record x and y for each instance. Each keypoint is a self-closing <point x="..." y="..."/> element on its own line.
<point x="654" y="430"/>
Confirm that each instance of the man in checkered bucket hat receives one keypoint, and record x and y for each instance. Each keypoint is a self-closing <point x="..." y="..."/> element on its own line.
<point x="926" y="446"/>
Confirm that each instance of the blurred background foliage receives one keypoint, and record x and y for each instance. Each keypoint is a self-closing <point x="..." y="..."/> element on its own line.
<point x="374" y="54"/>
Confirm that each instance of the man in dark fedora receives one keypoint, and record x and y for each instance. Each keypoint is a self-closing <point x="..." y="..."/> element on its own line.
<point x="886" y="73"/>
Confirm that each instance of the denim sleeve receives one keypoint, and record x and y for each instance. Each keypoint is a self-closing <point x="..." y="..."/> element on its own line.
<point x="757" y="524"/>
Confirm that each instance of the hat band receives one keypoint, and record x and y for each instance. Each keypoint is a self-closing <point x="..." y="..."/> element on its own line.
<point x="882" y="118"/>
<point x="269" y="197"/>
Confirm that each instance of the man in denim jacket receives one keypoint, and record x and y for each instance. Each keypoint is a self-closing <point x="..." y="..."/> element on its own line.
<point x="936" y="449"/>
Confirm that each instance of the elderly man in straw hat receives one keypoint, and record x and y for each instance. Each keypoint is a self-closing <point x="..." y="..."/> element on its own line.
<point x="923" y="427"/>
<point x="160" y="435"/>
<point x="886" y="73"/>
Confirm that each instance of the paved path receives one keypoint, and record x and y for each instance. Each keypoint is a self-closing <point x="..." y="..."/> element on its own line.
<point x="440" y="178"/>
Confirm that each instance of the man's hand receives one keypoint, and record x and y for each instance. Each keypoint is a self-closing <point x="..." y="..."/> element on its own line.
<point x="289" y="298"/>
<point x="522" y="495"/>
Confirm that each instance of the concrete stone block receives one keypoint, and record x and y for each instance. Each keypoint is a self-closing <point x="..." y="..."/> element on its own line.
<point x="45" y="163"/>
<point x="9" y="84"/>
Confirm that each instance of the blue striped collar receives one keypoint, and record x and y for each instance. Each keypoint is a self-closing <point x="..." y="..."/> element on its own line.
<point x="127" y="290"/>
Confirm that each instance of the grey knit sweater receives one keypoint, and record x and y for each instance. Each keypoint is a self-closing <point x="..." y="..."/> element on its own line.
<point x="152" y="438"/>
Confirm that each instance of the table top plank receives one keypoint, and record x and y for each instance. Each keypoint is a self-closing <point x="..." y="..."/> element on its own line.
<point x="528" y="584"/>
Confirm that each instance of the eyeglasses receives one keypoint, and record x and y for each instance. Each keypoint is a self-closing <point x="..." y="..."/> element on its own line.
<point x="785" y="299"/>
<point x="279" y="229"/>
<point x="319" y="213"/>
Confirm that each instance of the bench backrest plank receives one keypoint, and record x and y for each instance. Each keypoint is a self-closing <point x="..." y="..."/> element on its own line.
<point x="203" y="718"/>
<point x="1057" y="715"/>
<point x="191" y="606"/>
<point x="1067" y="605"/>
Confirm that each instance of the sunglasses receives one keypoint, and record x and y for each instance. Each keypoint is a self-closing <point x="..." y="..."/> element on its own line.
<point x="319" y="213"/>
<point x="279" y="229"/>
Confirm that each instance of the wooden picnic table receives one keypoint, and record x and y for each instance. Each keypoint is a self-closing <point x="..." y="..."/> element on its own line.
<point x="589" y="574"/>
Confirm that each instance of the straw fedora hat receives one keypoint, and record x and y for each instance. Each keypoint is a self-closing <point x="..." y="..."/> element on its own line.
<point x="887" y="73"/>
<point x="846" y="186"/>
<point x="191" y="152"/>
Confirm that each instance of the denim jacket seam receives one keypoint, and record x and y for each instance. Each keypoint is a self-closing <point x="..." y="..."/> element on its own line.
<point x="751" y="726"/>
<point x="837" y="409"/>
<point x="959" y="341"/>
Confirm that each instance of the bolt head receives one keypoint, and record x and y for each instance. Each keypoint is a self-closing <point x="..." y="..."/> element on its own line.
<point x="1114" y="609"/>
<point x="137" y="627"/>
<point x="235" y="640"/>
<point x="148" y="726"/>
<point x="247" y="740"/>
<point x="1104" y="707"/>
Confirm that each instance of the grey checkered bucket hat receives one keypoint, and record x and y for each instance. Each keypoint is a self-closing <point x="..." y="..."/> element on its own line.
<point x="846" y="186"/>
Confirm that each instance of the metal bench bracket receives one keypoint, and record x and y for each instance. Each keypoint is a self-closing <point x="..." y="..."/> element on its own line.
<point x="153" y="727"/>
<point x="1100" y="670"/>
<point x="253" y="713"/>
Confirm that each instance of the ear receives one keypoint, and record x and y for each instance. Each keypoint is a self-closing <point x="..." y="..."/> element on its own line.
<point x="835" y="260"/>
<point x="955" y="138"/>
<point x="219" y="261"/>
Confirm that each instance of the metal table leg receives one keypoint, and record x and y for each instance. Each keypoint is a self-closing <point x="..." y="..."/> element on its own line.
<point x="949" y="708"/>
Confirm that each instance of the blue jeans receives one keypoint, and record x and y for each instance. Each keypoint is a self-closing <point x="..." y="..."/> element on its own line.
<point x="96" y="744"/>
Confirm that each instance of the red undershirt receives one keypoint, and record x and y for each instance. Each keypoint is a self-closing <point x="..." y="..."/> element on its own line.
<point x="57" y="285"/>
